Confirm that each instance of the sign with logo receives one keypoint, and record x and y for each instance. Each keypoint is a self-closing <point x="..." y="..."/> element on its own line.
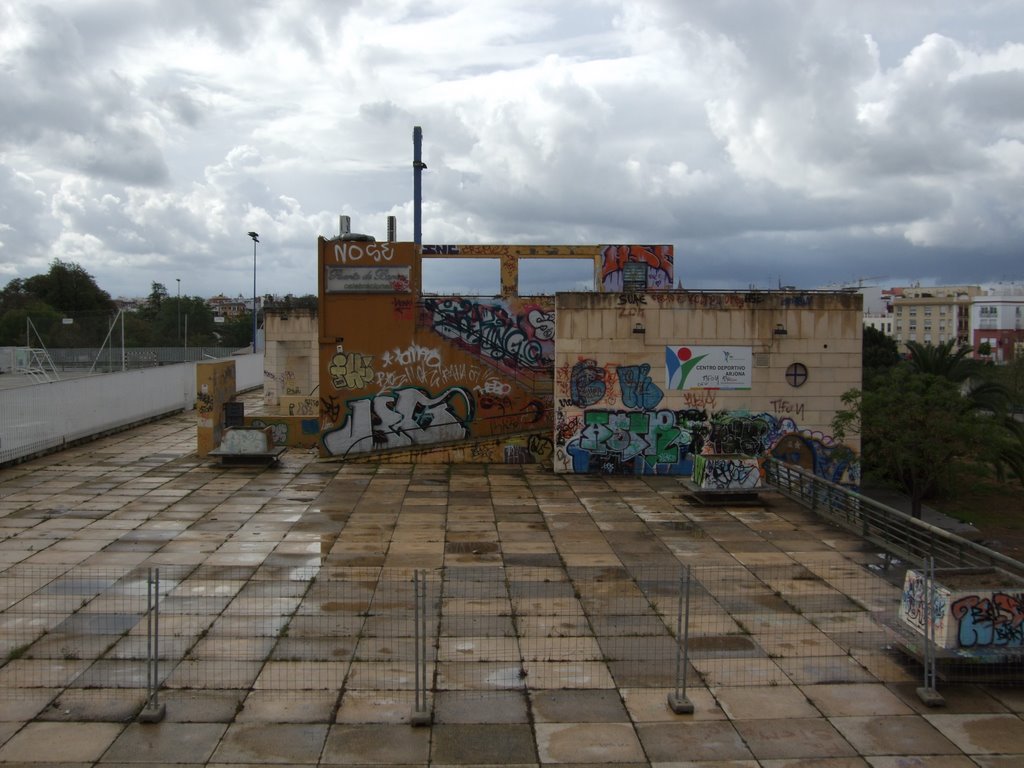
<point x="692" y="367"/>
<point x="368" y="280"/>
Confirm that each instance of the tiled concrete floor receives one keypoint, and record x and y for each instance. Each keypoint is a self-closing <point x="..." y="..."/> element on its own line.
<point x="143" y="498"/>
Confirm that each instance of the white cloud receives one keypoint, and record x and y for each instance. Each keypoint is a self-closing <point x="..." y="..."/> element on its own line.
<point x="760" y="138"/>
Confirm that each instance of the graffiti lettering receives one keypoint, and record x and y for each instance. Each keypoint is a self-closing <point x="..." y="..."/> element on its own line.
<point x="493" y="333"/>
<point x="309" y="406"/>
<point x="789" y="407"/>
<point x="331" y="409"/>
<point x="540" y="447"/>
<point x="351" y="370"/>
<point x="997" y="622"/>
<point x="412" y="355"/>
<point x="493" y="387"/>
<point x="401" y="418"/>
<point x="638" y="390"/>
<point x="354" y="250"/>
<point x="720" y="473"/>
<point x="658" y="259"/>
<point x="586" y="383"/>
<point x="440" y="250"/>
<point x="700" y="399"/>
<point x="638" y="299"/>
<point x="402" y="308"/>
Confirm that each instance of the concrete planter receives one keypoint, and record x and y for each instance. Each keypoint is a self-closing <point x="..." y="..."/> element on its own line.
<point x="727" y="472"/>
<point x="974" y="608"/>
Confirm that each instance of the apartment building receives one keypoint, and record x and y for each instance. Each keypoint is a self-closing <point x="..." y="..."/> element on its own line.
<point x="998" y="321"/>
<point x="934" y="315"/>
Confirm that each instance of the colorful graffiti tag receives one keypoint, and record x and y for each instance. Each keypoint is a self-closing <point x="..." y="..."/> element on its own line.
<point x="996" y="622"/>
<point x="665" y="441"/>
<point x="657" y="258"/>
<point x="493" y="332"/>
<point x="401" y="418"/>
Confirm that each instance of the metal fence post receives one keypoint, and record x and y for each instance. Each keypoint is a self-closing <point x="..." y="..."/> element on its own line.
<point x="928" y="693"/>
<point x="421" y="712"/>
<point x="154" y="710"/>
<point x="678" y="700"/>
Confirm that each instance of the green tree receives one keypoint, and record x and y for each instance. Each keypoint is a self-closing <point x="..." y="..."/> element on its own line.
<point x="68" y="288"/>
<point x="990" y="400"/>
<point x="913" y="427"/>
<point x="65" y="291"/>
<point x="879" y="353"/>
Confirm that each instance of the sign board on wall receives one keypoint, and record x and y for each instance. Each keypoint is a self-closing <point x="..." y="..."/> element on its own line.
<point x="692" y="367"/>
<point x="367" y="280"/>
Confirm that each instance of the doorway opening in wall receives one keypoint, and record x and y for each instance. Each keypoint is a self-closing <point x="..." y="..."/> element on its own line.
<point x="462" y="277"/>
<point x="541" y="277"/>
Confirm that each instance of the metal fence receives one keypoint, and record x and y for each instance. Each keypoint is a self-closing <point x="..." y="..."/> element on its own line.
<point x="907" y="537"/>
<point x="369" y="631"/>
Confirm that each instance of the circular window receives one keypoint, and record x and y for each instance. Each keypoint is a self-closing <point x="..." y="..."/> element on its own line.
<point x="796" y="374"/>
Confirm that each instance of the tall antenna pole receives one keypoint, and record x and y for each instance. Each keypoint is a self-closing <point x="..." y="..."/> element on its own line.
<point x="417" y="185"/>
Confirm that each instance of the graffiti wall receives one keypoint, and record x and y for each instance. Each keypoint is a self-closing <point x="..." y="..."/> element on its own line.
<point x="672" y="377"/>
<point x="400" y="370"/>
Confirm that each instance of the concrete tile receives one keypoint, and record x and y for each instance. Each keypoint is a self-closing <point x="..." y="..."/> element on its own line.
<point x="816" y="762"/>
<point x="376" y="707"/>
<point x="999" y="761"/>
<point x="893" y="735"/>
<point x="587" y="743"/>
<point x="793" y="738"/>
<point x="982" y="734"/>
<point x="166" y="743"/>
<point x="273" y="707"/>
<point x="1011" y="698"/>
<point x="481" y="707"/>
<point x="922" y="761"/>
<point x="764" y="702"/>
<point x="650" y="705"/>
<point x="479" y="744"/>
<point x="581" y="706"/>
<point x="960" y="699"/>
<point x="696" y="741"/>
<point x="376" y="745"/>
<point x="855" y="699"/>
<point x="59" y="742"/>
<point x="26" y="704"/>
<point x="271" y="743"/>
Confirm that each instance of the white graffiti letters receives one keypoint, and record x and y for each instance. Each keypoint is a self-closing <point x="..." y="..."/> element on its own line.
<point x="354" y="251"/>
<point x="402" y="418"/>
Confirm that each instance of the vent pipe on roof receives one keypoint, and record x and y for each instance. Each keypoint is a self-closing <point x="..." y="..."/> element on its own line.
<point x="418" y="166"/>
<point x="344" y="225"/>
<point x="392" y="229"/>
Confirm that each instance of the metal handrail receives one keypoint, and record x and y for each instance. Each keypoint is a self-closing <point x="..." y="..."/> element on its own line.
<point x="897" y="532"/>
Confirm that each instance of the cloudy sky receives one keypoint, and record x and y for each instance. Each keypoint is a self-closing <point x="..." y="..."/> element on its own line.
<point x="795" y="141"/>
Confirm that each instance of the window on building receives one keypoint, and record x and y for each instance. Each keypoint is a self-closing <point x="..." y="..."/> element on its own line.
<point x="927" y="338"/>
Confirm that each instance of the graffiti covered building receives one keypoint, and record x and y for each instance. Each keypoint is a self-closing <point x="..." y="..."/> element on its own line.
<point x="646" y="381"/>
<point x="633" y="378"/>
<point x="400" y="369"/>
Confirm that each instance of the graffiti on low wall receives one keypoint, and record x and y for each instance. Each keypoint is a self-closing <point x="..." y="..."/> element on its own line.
<point x="996" y="620"/>
<point x="727" y="473"/>
<point x="400" y="418"/>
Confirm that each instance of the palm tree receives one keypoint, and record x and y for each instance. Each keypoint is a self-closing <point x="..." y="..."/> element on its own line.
<point x="988" y="399"/>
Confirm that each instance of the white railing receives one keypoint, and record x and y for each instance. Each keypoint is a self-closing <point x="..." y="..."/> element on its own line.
<point x="42" y="417"/>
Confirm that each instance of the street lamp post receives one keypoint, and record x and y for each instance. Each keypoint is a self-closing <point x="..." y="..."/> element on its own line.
<point x="255" y="239"/>
<point x="179" y="310"/>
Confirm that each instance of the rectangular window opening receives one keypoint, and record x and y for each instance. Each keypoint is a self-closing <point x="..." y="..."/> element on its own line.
<point x="543" y="277"/>
<point x="462" y="277"/>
